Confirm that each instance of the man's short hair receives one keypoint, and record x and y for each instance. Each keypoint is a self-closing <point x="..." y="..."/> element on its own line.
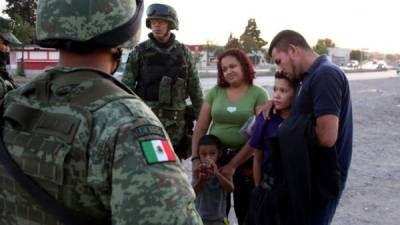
<point x="282" y="40"/>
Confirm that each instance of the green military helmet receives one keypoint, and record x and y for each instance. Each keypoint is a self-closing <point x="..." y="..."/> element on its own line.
<point x="164" y="12"/>
<point x="6" y="27"/>
<point x="88" y="24"/>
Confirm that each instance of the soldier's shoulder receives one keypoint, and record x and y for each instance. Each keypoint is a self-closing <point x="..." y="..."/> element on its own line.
<point x="125" y="110"/>
<point x="145" y="45"/>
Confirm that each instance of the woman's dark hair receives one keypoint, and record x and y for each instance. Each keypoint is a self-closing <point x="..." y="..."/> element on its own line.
<point x="292" y="83"/>
<point x="210" y="139"/>
<point x="247" y="66"/>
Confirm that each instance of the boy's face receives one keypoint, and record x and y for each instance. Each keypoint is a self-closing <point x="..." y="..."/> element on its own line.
<point x="208" y="153"/>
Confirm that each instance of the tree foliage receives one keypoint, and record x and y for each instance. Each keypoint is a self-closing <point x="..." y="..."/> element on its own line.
<point x="26" y="9"/>
<point x="355" y="55"/>
<point x="250" y="39"/>
<point x="197" y="57"/>
<point x="23" y="30"/>
<point x="322" y="46"/>
<point x="23" y="12"/>
<point x="233" y="42"/>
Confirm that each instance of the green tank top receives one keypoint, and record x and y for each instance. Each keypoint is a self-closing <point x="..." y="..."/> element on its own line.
<point x="228" y="117"/>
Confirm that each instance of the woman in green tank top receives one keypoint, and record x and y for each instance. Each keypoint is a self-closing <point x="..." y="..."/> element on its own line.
<point x="226" y="108"/>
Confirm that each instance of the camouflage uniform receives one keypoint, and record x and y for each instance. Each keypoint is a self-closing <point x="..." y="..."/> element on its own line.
<point x="83" y="136"/>
<point x="6" y="82"/>
<point x="164" y="76"/>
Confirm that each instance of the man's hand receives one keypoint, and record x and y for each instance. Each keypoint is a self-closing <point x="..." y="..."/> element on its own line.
<point x="267" y="108"/>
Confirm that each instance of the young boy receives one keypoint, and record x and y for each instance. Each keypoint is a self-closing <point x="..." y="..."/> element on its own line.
<point x="210" y="185"/>
<point x="261" y="210"/>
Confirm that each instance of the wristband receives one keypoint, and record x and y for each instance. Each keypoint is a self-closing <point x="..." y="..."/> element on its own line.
<point x="194" y="158"/>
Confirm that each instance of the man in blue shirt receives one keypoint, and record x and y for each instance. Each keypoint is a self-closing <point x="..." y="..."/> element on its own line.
<point x="323" y="92"/>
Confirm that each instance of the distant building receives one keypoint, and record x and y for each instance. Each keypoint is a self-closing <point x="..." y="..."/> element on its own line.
<point x="339" y="56"/>
<point x="200" y="51"/>
<point x="36" y="59"/>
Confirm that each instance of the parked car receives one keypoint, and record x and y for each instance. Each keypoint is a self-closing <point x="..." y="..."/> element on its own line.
<point x="398" y="69"/>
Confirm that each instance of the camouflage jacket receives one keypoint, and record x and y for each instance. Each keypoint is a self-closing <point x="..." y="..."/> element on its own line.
<point x="6" y="82"/>
<point x="117" y="178"/>
<point x="175" y="127"/>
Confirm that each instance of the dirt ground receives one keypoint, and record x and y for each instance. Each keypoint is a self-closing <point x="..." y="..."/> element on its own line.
<point x="372" y="195"/>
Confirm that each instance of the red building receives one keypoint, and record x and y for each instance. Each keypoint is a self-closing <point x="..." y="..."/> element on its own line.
<point x="35" y="58"/>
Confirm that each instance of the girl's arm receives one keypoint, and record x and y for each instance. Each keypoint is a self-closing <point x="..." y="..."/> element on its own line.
<point x="242" y="156"/>
<point x="257" y="167"/>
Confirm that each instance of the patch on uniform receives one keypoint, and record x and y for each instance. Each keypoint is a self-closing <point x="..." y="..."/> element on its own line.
<point x="157" y="151"/>
<point x="147" y="129"/>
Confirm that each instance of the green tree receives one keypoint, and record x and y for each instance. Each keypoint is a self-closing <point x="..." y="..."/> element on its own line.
<point x="218" y="51"/>
<point x="392" y="58"/>
<point x="23" y="12"/>
<point x="251" y="39"/>
<point x="233" y="42"/>
<point x="197" y="57"/>
<point x="26" y="9"/>
<point x="355" y="55"/>
<point x="23" y="30"/>
<point x="322" y="46"/>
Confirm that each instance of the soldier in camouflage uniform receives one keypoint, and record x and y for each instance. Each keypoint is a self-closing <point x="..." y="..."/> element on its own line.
<point x="162" y="72"/>
<point x="85" y="138"/>
<point x="6" y="38"/>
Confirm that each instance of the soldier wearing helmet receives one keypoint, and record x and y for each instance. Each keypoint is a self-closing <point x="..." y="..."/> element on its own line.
<point x="6" y="38"/>
<point x="79" y="147"/>
<point x="162" y="72"/>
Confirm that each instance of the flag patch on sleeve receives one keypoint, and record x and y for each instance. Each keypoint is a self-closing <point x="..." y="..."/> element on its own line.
<point x="157" y="151"/>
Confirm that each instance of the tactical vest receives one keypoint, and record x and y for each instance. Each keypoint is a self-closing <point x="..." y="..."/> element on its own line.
<point x="162" y="75"/>
<point x="49" y="140"/>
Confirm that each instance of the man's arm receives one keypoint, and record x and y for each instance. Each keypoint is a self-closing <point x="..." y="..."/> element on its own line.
<point x="194" y="87"/>
<point x="327" y="128"/>
<point x="131" y="72"/>
<point x="143" y="190"/>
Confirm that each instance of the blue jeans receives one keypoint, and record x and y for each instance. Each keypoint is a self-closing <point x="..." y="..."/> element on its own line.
<point x="323" y="211"/>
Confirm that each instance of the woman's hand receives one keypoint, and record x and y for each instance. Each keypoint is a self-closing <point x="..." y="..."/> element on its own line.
<point x="228" y="170"/>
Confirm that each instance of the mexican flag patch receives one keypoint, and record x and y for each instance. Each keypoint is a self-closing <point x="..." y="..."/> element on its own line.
<point x="157" y="151"/>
